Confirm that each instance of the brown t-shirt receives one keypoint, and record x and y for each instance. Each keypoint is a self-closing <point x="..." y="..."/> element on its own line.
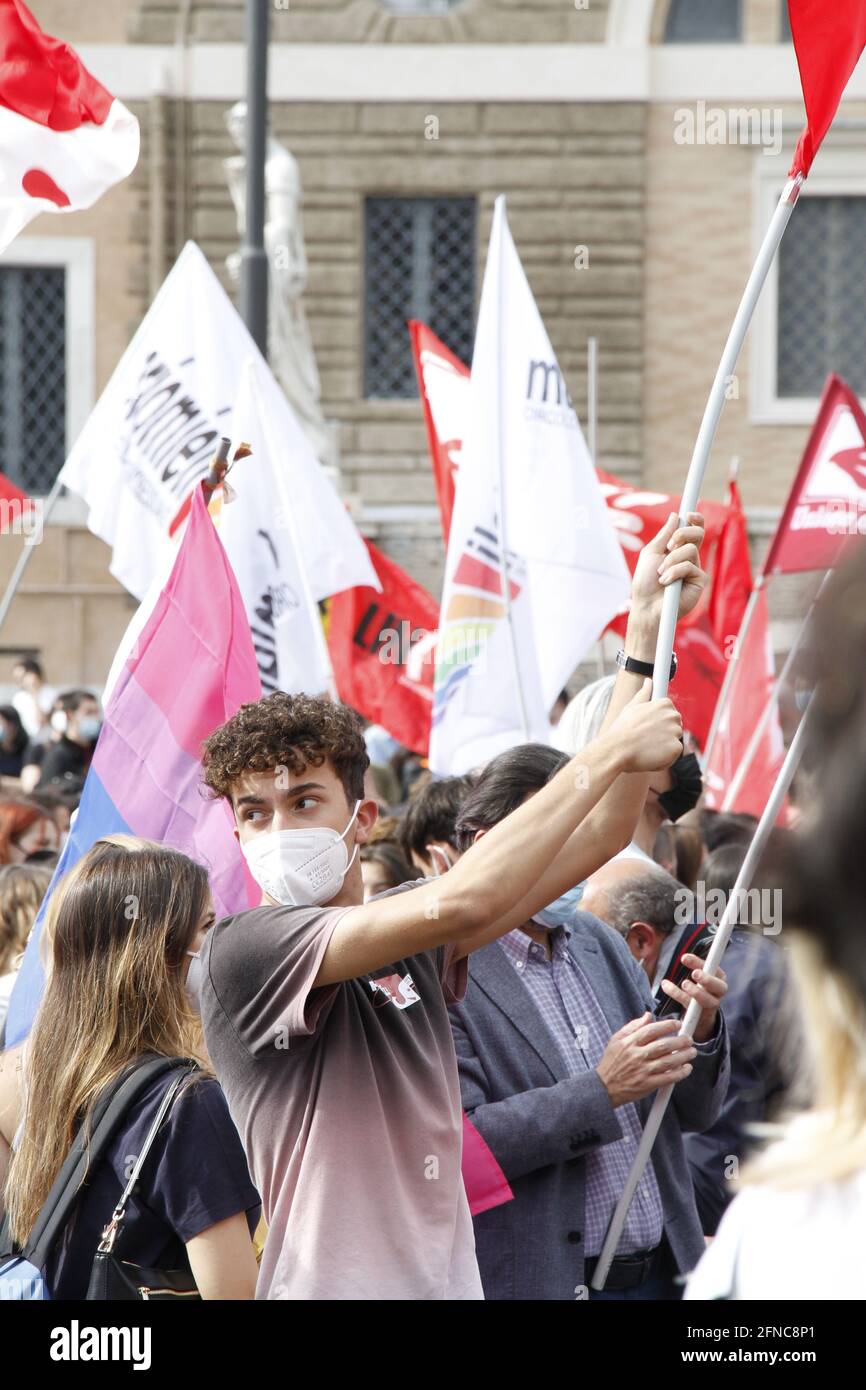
<point x="347" y="1101"/>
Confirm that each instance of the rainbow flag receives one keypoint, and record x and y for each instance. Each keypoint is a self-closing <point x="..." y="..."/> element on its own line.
<point x="191" y="668"/>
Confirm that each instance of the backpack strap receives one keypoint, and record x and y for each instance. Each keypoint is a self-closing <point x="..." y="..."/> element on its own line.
<point x="107" y="1114"/>
<point x="112" y="1230"/>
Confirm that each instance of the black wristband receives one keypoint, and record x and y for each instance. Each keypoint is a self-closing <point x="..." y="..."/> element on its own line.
<point x="642" y="668"/>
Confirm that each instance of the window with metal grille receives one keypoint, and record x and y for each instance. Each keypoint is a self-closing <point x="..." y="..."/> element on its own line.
<point x="822" y="297"/>
<point x="32" y="375"/>
<point x="419" y="262"/>
<point x="703" y="21"/>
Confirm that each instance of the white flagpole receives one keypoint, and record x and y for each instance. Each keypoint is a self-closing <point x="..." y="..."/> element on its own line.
<point x="27" y="550"/>
<point x="690" y="1021"/>
<point x="713" y="411"/>
<point x="500" y="463"/>
<point x="592" y="399"/>
<point x="758" y="732"/>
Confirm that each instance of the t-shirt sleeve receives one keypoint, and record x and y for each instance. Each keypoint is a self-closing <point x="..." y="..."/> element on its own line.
<point x="262" y="969"/>
<point x="201" y="1175"/>
<point x="453" y="974"/>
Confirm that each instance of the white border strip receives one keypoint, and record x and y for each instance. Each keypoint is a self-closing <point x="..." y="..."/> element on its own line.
<point x="461" y="72"/>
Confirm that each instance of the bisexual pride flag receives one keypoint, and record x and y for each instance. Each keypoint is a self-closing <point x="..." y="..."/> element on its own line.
<point x="191" y="668"/>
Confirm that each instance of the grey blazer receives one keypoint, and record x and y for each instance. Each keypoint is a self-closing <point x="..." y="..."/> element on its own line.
<point x="539" y="1122"/>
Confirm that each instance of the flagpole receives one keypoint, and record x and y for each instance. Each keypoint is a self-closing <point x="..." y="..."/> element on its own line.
<point x="758" y="732"/>
<point x="592" y="398"/>
<point x="693" y="1012"/>
<point x="27" y="550"/>
<point x="500" y="463"/>
<point x="712" y="414"/>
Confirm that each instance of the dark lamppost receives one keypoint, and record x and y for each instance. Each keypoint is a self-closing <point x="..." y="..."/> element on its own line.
<point x="254" y="262"/>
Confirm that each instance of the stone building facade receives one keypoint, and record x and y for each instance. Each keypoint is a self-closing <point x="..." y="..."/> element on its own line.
<point x="570" y="110"/>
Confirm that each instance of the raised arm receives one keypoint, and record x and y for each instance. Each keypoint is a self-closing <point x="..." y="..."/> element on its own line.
<point x="515" y="866"/>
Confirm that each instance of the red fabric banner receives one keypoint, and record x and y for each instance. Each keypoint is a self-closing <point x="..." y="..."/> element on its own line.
<point x="383" y="665"/>
<point x="748" y="695"/>
<point x="826" y="506"/>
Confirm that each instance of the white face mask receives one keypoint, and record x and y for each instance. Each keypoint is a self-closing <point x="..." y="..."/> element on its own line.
<point x="301" y="868"/>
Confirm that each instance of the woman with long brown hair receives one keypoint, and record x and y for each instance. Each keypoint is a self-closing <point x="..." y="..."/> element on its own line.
<point x="119" y="933"/>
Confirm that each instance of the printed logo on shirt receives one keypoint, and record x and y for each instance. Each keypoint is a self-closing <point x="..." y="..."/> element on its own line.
<point x="401" y="993"/>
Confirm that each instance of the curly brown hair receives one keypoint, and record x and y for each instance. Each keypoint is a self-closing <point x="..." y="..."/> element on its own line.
<point x="293" y="731"/>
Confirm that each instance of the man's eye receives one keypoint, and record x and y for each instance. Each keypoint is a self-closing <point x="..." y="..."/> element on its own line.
<point x="306" y="801"/>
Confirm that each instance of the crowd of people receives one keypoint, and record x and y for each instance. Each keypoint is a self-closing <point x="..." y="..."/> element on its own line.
<point x="511" y="950"/>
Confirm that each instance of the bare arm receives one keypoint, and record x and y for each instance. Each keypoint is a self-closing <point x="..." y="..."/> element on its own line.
<point x="675" y="550"/>
<point x="10" y="1108"/>
<point x="515" y="862"/>
<point x="223" y="1260"/>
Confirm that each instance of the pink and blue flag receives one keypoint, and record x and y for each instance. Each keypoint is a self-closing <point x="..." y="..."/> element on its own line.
<point x="191" y="668"/>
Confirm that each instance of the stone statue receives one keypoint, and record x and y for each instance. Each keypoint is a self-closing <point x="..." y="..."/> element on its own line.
<point x="290" y="347"/>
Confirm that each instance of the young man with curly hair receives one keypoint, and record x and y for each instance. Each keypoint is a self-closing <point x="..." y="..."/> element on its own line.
<point x="326" y="1018"/>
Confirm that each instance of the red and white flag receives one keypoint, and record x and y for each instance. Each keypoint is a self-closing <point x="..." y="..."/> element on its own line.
<point x="826" y="506"/>
<point x="381" y="646"/>
<point x="64" y="139"/>
<point x="829" y="36"/>
<point x="636" y="515"/>
<point x="749" y="694"/>
<point x="443" y="382"/>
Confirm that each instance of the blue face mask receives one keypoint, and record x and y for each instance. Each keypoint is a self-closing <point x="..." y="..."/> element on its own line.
<point x="560" y="913"/>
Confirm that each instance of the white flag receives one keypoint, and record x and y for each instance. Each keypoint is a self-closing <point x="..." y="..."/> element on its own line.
<point x="526" y="489"/>
<point x="156" y="427"/>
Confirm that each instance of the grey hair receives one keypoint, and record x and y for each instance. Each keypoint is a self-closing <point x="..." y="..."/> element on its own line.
<point x="650" y="896"/>
<point x="584" y="716"/>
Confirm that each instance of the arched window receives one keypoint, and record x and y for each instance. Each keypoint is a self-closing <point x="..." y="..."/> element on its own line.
<point x="703" y="21"/>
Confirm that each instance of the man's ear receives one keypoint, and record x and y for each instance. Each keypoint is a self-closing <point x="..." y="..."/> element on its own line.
<point x="477" y="836"/>
<point x="368" y="814"/>
<point x="641" y="939"/>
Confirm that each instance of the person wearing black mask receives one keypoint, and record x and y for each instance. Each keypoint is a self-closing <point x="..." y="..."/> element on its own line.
<point x="70" y="756"/>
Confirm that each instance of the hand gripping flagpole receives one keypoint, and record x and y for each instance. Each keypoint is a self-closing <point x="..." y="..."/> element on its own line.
<point x="693" y="1012"/>
<point x="712" y="414"/>
<point x="661" y="680"/>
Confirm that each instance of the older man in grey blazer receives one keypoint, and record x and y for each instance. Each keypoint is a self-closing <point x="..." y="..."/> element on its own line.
<point x="559" y="1058"/>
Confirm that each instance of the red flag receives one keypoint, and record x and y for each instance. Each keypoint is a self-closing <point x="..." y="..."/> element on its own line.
<point x="9" y="492"/>
<point x="731" y="582"/>
<point x="14" y="506"/>
<point x="748" y="695"/>
<point x="443" y="383"/>
<point x="381" y="653"/>
<point x="829" y="36"/>
<point x="827" y="503"/>
<point x="64" y="139"/>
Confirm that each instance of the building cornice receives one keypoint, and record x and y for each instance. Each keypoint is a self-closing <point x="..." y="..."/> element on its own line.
<point x="716" y="73"/>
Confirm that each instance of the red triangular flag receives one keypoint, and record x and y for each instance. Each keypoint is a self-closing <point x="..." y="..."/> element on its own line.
<point x="829" y="36"/>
